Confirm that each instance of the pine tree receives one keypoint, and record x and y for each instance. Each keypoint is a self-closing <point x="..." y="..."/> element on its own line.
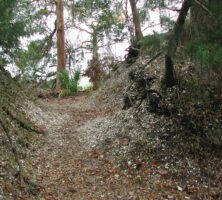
<point x="12" y="28"/>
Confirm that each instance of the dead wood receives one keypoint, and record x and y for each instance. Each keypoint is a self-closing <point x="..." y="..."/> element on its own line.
<point x="143" y="89"/>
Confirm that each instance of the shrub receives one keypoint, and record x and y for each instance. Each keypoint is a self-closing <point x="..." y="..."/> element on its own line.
<point x="151" y="44"/>
<point x="73" y="82"/>
<point x="205" y="43"/>
<point x="64" y="79"/>
<point x="69" y="84"/>
<point x="209" y="54"/>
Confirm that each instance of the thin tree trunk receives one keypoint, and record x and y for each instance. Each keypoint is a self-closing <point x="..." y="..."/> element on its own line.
<point x="129" y="26"/>
<point x="95" y="44"/>
<point x="173" y="43"/>
<point x="61" y="56"/>
<point x="136" y="20"/>
<point x="95" y="64"/>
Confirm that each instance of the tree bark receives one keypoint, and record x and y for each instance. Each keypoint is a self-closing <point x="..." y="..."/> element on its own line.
<point x="95" y="64"/>
<point x="61" y="55"/>
<point x="95" y="43"/>
<point x="136" y="20"/>
<point x="173" y="43"/>
<point x="94" y="68"/>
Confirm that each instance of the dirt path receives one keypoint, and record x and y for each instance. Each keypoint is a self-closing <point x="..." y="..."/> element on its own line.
<point x="68" y="164"/>
<point x="63" y="166"/>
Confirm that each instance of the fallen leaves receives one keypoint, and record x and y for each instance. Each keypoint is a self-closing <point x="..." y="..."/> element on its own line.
<point x="68" y="168"/>
<point x="163" y="172"/>
<point x="9" y="187"/>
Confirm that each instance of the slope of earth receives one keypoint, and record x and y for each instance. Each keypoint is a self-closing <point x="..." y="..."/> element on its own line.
<point x="16" y="132"/>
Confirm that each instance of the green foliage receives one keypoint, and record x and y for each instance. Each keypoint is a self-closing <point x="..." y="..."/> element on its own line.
<point x="73" y="83"/>
<point x="166" y="22"/>
<point x="205" y="45"/>
<point x="208" y="54"/>
<point x="27" y="60"/>
<point x="64" y="79"/>
<point x="151" y="44"/>
<point x="73" y="87"/>
<point x="11" y="27"/>
<point x="103" y="15"/>
<point x="69" y="85"/>
<point x="144" y="15"/>
<point x="17" y="19"/>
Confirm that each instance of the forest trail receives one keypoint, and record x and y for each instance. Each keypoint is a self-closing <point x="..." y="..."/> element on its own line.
<point x="65" y="168"/>
<point x="70" y="161"/>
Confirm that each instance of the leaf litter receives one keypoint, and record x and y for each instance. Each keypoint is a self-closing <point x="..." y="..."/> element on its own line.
<point x="91" y="152"/>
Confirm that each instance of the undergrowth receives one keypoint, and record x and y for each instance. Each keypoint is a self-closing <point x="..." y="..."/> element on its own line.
<point x="197" y="106"/>
<point x="69" y="84"/>
<point x="151" y="44"/>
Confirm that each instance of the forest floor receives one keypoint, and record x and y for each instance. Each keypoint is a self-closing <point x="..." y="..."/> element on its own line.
<point x="65" y="165"/>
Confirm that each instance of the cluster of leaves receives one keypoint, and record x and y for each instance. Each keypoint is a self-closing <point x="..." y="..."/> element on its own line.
<point x="12" y="27"/>
<point x="18" y="21"/>
<point x="69" y="84"/>
<point x="100" y="14"/>
<point x="209" y="54"/>
<point x="151" y="44"/>
<point x="206" y="44"/>
<point x="28" y="60"/>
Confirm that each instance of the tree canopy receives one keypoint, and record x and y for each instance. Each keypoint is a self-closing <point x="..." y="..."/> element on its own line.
<point x="101" y="25"/>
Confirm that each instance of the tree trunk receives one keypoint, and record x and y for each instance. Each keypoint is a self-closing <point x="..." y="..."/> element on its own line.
<point x="95" y="64"/>
<point x="136" y="20"/>
<point x="61" y="56"/>
<point x="173" y="43"/>
<point x="94" y="70"/>
<point x="95" y="44"/>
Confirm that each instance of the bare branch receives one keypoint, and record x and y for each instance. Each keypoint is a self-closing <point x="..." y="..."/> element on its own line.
<point x="204" y="7"/>
<point x="157" y="24"/>
<point x="172" y="9"/>
<point x="82" y="29"/>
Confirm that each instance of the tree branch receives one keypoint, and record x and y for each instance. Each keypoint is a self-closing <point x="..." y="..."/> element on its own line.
<point x="82" y="29"/>
<point x="172" y="9"/>
<point x="204" y="7"/>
